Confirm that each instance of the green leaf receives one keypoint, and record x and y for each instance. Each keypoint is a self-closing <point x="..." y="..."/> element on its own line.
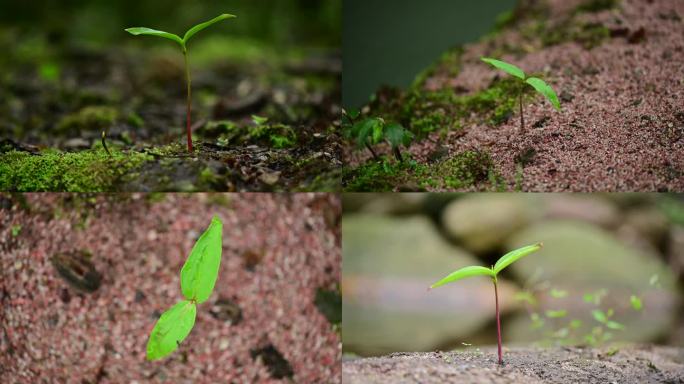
<point x="378" y="131"/>
<point x="171" y="329"/>
<point x="614" y="325"/>
<point x="636" y="302"/>
<point x="397" y="135"/>
<point x="599" y="315"/>
<point x="556" y="314"/>
<point x="363" y="130"/>
<point x="513" y="256"/>
<point x="463" y="273"/>
<point x="200" y="270"/>
<point x="506" y="67"/>
<point x="259" y="120"/>
<point x="206" y="24"/>
<point x="153" y="32"/>
<point x="545" y="90"/>
<point x="558" y="293"/>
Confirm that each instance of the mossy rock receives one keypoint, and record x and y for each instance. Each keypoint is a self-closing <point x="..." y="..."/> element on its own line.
<point x="85" y="171"/>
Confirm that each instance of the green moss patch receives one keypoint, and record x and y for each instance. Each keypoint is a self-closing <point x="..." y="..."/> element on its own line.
<point x="86" y="171"/>
<point x="463" y="170"/>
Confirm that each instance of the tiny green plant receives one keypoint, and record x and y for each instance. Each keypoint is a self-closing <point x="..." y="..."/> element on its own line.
<point x="197" y="279"/>
<point x="492" y="272"/>
<point x="373" y="130"/>
<point x="183" y="44"/>
<point x="538" y="84"/>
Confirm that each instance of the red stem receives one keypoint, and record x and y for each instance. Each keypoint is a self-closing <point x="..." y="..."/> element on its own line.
<point x="498" y="321"/>
<point x="522" y="117"/>
<point x="188" y="102"/>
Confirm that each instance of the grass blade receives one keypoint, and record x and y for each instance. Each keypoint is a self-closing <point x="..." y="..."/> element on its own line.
<point x="506" y="67"/>
<point x="153" y="32"/>
<point x="200" y="270"/>
<point x="515" y="255"/>
<point x="545" y="90"/>
<point x="463" y="273"/>
<point x="171" y="329"/>
<point x="206" y="24"/>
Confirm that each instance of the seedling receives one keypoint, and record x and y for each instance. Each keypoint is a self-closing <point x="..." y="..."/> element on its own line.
<point x="197" y="279"/>
<point x="374" y="130"/>
<point x="183" y="43"/>
<point x="538" y="84"/>
<point x="492" y="272"/>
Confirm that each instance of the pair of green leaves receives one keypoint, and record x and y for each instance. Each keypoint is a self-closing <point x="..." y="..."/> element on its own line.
<point x="374" y="129"/>
<point x="198" y="278"/>
<point x="492" y="272"/>
<point x="182" y="42"/>
<point x="538" y="84"/>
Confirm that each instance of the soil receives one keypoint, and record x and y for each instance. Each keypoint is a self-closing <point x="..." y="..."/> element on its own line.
<point x="138" y="99"/>
<point x="617" y="69"/>
<point x="84" y="278"/>
<point x="633" y="364"/>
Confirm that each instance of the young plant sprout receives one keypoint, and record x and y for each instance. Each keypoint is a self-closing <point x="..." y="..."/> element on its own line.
<point x="183" y="43"/>
<point x="538" y="84"/>
<point x="492" y="272"/>
<point x="197" y="279"/>
<point x="374" y="130"/>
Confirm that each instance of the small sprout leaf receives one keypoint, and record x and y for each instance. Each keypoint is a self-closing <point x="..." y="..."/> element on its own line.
<point x="636" y="302"/>
<point x="515" y="255"/>
<point x="551" y="314"/>
<point x="506" y="67"/>
<point x="259" y="120"/>
<point x="397" y="135"/>
<point x="192" y="31"/>
<point x="599" y="315"/>
<point x="574" y="324"/>
<point x="558" y="293"/>
<point x="614" y="325"/>
<point x="463" y="273"/>
<point x="545" y="90"/>
<point x="153" y="32"/>
<point x="200" y="270"/>
<point x="171" y="329"/>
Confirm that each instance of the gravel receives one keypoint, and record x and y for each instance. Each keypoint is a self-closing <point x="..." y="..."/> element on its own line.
<point x="51" y="331"/>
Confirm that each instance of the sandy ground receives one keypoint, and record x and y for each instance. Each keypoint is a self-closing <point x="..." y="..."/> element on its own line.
<point x="638" y="364"/>
<point x="259" y="325"/>
<point x="621" y="127"/>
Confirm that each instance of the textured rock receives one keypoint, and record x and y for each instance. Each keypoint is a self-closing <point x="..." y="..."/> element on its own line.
<point x="483" y="222"/>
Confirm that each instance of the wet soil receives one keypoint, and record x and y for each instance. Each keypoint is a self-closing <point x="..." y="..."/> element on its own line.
<point x="616" y="66"/>
<point x="634" y="364"/>
<point x="84" y="278"/>
<point x="138" y="99"/>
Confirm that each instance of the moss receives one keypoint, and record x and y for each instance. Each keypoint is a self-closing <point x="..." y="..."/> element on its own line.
<point x="92" y="171"/>
<point x="275" y="135"/>
<point x="463" y="170"/>
<point x="449" y="62"/>
<point x="88" y="118"/>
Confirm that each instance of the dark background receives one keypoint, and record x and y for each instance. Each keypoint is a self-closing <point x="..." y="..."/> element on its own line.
<point x="389" y="42"/>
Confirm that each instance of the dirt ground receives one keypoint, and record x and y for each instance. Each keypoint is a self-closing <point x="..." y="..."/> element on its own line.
<point x="634" y="364"/>
<point x="83" y="278"/>
<point x="617" y="70"/>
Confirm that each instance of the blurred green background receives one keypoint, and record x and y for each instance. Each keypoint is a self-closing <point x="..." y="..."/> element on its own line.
<point x="390" y="42"/>
<point x="599" y="251"/>
<point x="102" y="22"/>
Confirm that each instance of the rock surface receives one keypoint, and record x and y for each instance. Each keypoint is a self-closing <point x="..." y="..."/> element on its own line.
<point x="633" y="364"/>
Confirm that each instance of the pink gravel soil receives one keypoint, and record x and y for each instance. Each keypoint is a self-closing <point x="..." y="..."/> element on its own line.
<point x="621" y="129"/>
<point x="53" y="333"/>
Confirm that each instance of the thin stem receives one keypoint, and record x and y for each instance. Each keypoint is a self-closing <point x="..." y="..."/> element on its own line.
<point x="498" y="321"/>
<point x="188" y="81"/>
<point x="522" y="118"/>
<point x="375" y="155"/>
